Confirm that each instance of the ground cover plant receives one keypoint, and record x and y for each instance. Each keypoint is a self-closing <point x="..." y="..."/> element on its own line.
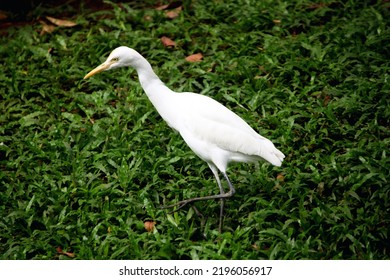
<point x="85" y="165"/>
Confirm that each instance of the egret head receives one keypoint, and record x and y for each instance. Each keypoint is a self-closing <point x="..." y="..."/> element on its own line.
<point x="120" y="57"/>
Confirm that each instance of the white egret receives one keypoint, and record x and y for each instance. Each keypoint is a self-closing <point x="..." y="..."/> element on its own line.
<point x="212" y="131"/>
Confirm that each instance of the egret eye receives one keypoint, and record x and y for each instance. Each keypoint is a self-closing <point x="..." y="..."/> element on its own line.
<point x="115" y="59"/>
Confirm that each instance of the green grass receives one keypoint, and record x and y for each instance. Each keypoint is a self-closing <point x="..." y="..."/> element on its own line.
<point x="84" y="163"/>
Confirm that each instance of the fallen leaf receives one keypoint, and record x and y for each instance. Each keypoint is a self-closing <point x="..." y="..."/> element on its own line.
<point x="149" y="225"/>
<point x="194" y="57"/>
<point x="327" y="98"/>
<point x="61" y="22"/>
<point x="61" y="252"/>
<point x="167" y="42"/>
<point x="316" y="6"/>
<point x="162" y="7"/>
<point x="172" y="5"/>
<point x="280" y="177"/>
<point x="46" y="28"/>
<point x="69" y="254"/>
<point x="174" y="13"/>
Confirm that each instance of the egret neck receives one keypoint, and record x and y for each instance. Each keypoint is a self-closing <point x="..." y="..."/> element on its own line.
<point x="158" y="93"/>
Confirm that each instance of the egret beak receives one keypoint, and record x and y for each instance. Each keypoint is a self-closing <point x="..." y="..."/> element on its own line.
<point x="100" y="68"/>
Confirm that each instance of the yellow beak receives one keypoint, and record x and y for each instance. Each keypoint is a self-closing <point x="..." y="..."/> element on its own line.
<point x="98" y="69"/>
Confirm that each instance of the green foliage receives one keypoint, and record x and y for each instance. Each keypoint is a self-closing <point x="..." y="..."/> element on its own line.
<point x="84" y="163"/>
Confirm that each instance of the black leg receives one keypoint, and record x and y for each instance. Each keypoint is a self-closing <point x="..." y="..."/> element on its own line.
<point x="222" y="196"/>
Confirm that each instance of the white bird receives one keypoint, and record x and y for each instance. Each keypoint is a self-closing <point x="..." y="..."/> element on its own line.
<point x="212" y="131"/>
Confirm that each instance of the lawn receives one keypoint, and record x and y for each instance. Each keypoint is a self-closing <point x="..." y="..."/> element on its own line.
<point x="85" y="163"/>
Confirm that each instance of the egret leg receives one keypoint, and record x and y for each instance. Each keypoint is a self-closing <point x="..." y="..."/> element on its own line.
<point x="221" y="196"/>
<point x="221" y="190"/>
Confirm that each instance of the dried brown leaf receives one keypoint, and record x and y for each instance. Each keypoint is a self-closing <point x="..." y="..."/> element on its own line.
<point x="149" y="225"/>
<point x="315" y="6"/>
<point x="172" y="5"/>
<point x="61" y="252"/>
<point x="61" y="22"/>
<point x="162" y="7"/>
<point x="194" y="57"/>
<point x="327" y="98"/>
<point x="167" y="42"/>
<point x="69" y="254"/>
<point x="174" y="13"/>
<point x="46" y="28"/>
<point x="280" y="177"/>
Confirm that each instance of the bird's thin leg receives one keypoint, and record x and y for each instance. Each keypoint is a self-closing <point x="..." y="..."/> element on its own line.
<point x="231" y="188"/>
<point x="223" y="195"/>
<point x="182" y="203"/>
<point x="221" y="190"/>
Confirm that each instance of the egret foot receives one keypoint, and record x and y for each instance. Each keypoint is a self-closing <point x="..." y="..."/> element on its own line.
<point x="222" y="196"/>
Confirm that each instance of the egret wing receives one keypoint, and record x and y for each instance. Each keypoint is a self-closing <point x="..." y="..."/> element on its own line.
<point x="214" y="124"/>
